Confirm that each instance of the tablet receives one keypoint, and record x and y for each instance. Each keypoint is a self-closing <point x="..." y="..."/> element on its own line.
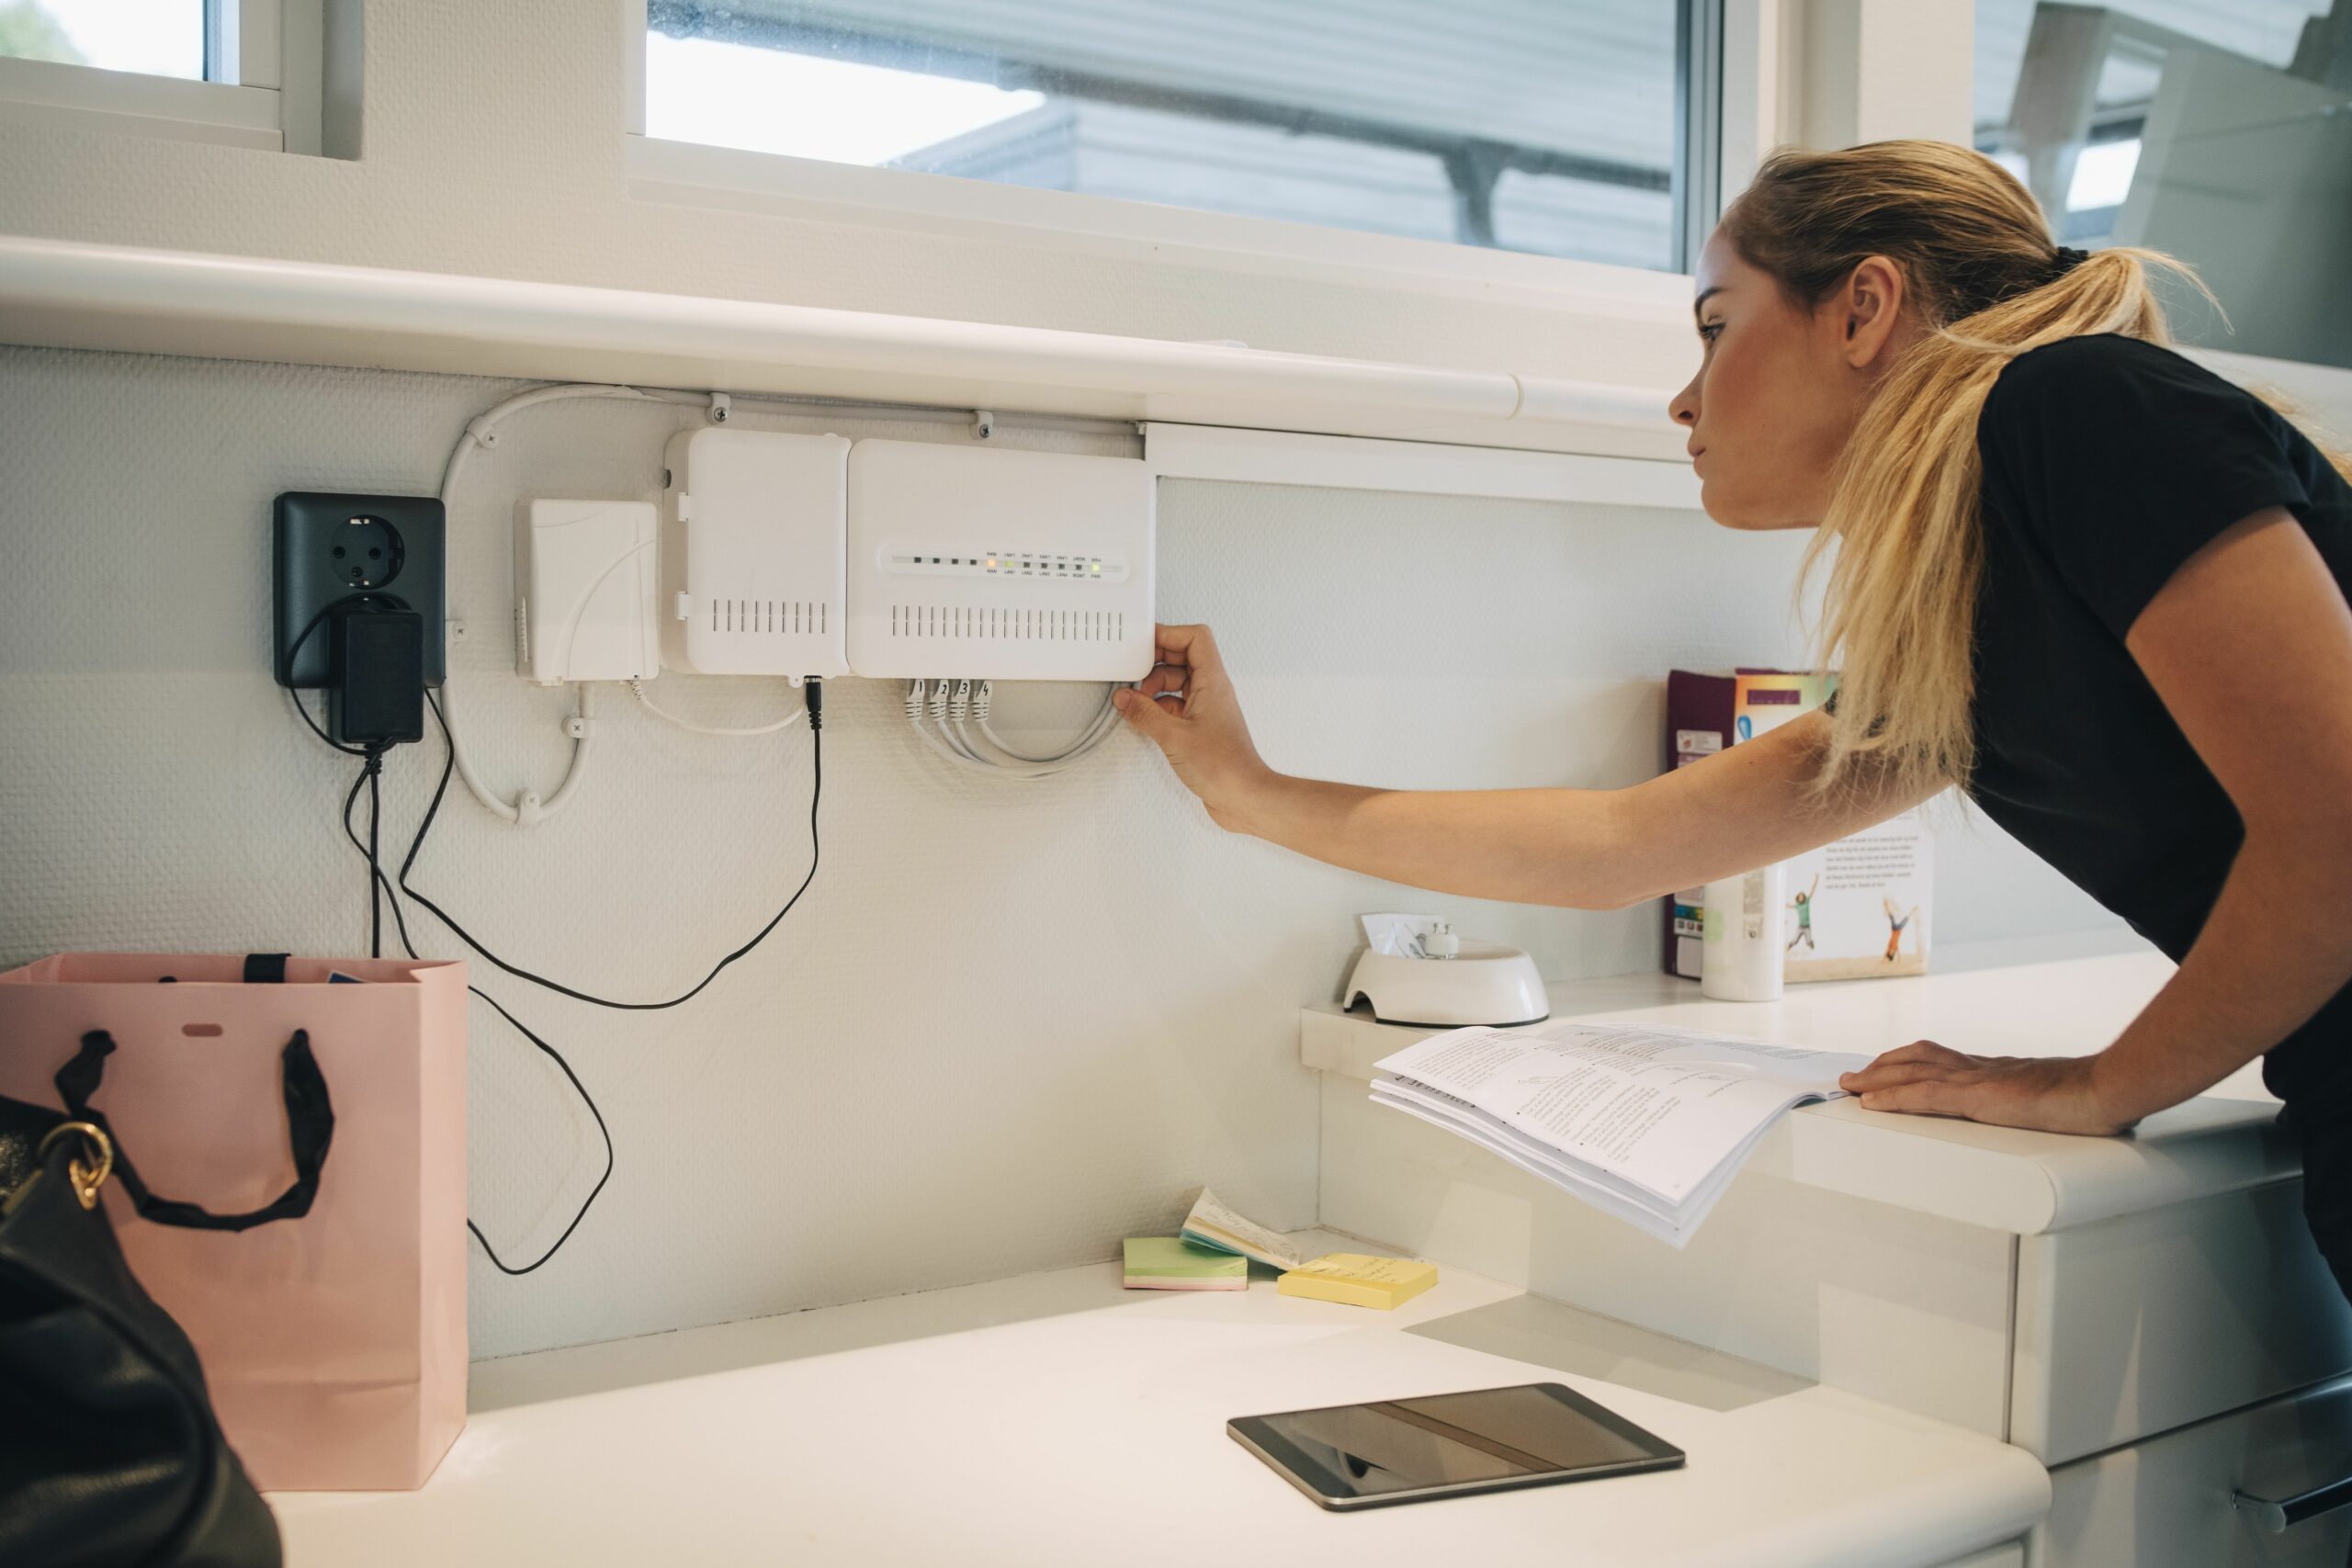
<point x="1449" y="1445"/>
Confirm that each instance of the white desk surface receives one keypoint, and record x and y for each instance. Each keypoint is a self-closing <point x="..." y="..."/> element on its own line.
<point x="1998" y="1176"/>
<point x="1055" y="1418"/>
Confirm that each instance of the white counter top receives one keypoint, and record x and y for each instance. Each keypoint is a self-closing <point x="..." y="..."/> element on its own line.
<point x="2001" y="1178"/>
<point x="1055" y="1418"/>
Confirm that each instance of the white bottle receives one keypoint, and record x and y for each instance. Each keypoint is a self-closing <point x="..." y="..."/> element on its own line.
<point x="1739" y="950"/>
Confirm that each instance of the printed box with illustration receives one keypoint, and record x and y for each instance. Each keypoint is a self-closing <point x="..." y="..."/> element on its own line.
<point x="1852" y="908"/>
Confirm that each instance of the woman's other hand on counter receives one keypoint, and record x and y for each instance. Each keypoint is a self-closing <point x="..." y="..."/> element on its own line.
<point x="2048" y="1094"/>
<point x="1186" y="705"/>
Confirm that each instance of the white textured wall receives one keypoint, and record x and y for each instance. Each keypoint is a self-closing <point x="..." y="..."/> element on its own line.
<point x="493" y="145"/>
<point x="1008" y="1024"/>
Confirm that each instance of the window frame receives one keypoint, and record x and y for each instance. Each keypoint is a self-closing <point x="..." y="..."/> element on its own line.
<point x="696" y="173"/>
<point x="263" y="86"/>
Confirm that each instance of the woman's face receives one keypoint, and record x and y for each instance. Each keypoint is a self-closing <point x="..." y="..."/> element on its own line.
<point x="1779" y="387"/>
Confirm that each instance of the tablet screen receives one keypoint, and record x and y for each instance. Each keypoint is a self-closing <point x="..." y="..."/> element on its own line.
<point x="1440" y="1443"/>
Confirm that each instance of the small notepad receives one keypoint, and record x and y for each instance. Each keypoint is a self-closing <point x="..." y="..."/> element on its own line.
<point x="1170" y="1263"/>
<point x="1356" y="1278"/>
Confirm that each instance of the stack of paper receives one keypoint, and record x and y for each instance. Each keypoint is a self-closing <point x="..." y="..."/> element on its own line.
<point x="1645" y="1121"/>
<point x="1359" y="1278"/>
<point x="1218" y="1228"/>
<point x="1171" y="1263"/>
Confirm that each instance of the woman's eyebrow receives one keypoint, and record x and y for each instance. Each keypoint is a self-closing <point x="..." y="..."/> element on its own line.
<point x="1704" y="295"/>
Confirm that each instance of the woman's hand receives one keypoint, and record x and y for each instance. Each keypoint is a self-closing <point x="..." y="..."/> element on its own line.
<point x="1187" y="707"/>
<point x="2050" y="1094"/>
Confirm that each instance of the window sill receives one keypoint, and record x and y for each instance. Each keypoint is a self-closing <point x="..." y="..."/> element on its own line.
<point x="63" y="295"/>
<point x="688" y="173"/>
<point x="41" y="91"/>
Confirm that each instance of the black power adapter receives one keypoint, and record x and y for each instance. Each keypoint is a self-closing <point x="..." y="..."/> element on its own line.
<point x="375" y="681"/>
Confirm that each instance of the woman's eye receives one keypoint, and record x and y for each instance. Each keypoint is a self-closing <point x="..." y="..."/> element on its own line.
<point x="1707" y="332"/>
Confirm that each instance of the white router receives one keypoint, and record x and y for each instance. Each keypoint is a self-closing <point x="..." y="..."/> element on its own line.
<point x="986" y="563"/>
<point x="751" y="567"/>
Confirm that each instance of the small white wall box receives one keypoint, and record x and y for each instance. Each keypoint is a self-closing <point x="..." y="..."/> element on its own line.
<point x="584" y="591"/>
<point x="1003" y="565"/>
<point x="751" y="572"/>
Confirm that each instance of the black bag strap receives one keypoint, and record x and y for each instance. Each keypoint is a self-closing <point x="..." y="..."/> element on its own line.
<point x="265" y="968"/>
<point x="309" y="1127"/>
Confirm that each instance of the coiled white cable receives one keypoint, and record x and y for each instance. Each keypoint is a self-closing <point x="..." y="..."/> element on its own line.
<point x="1105" y="720"/>
<point x="949" y="705"/>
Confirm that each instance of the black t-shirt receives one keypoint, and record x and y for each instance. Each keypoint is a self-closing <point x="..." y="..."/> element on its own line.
<point x="2108" y="463"/>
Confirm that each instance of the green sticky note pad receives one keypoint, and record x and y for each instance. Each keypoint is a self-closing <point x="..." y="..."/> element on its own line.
<point x="1171" y="1263"/>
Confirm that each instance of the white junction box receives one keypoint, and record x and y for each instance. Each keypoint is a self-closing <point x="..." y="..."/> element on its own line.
<point x="752" y="569"/>
<point x="584" y="591"/>
<point x="981" y="562"/>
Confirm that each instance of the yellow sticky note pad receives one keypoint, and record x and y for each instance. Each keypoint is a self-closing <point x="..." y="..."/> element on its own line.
<point x="1358" y="1280"/>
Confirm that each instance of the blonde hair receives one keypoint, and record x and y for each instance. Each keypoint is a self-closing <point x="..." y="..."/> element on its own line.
<point x="1988" y="282"/>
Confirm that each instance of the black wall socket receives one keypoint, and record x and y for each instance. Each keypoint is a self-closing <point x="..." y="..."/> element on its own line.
<point x="329" y="548"/>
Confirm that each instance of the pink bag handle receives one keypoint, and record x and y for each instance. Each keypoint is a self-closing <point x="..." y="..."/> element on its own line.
<point x="309" y="1127"/>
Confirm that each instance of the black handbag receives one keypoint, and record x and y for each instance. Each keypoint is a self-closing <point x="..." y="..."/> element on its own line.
<point x="110" y="1450"/>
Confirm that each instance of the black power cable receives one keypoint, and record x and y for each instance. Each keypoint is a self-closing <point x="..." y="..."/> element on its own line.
<point x="812" y="693"/>
<point x="379" y="892"/>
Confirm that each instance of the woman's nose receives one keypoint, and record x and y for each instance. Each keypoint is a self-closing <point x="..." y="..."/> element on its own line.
<point x="1684" y="409"/>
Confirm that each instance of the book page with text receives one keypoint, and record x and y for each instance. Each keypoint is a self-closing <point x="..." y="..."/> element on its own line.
<point x="1660" y="1108"/>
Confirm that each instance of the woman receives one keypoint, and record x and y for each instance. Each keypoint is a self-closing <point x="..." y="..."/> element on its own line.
<point x="2096" y="586"/>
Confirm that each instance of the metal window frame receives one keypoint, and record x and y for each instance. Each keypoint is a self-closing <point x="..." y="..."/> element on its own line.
<point x="1698" y="126"/>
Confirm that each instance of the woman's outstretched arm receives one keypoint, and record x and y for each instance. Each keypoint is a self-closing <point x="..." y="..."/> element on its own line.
<point x="1746" y="806"/>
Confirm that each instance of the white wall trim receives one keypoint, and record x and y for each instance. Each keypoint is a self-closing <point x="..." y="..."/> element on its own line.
<point x="1760" y="67"/>
<point x="64" y="294"/>
<point x="87" y="99"/>
<point x="1872" y="70"/>
<point x="1414" y="467"/>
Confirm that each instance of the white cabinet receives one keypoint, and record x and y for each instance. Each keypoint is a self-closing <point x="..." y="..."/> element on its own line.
<point x="2123" y="1309"/>
<point x="2149" y="1320"/>
<point x="2165" y="1502"/>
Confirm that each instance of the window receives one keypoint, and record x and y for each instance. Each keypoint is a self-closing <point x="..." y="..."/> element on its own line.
<point x="2218" y="131"/>
<point x="154" y="38"/>
<point x="249" y="73"/>
<point x="1520" y="124"/>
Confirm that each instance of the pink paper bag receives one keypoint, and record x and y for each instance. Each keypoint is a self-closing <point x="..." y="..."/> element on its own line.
<point x="334" y="1343"/>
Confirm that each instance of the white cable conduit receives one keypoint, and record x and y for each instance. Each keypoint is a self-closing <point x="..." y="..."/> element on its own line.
<point x="70" y="294"/>
<point x="526" y="809"/>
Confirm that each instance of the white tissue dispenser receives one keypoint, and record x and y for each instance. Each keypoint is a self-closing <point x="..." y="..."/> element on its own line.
<point x="1433" y="978"/>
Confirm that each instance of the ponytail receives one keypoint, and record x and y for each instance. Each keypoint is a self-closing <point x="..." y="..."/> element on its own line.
<point x="1898" y="616"/>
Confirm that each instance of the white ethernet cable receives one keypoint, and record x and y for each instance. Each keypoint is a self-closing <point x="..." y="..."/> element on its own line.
<point x="528" y="809"/>
<point x="1104" y="721"/>
<point x="952" y="705"/>
<point x="637" y="689"/>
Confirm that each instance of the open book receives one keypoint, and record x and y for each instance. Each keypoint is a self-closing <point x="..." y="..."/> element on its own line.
<point x="1643" y="1121"/>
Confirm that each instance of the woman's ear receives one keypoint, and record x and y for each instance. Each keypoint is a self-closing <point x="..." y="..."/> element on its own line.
<point x="1870" y="307"/>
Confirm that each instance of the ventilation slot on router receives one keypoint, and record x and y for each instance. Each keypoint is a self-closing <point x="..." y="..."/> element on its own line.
<point x="792" y="615"/>
<point x="1008" y="625"/>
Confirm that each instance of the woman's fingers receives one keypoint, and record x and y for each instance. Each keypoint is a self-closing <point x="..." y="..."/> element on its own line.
<point x="1925" y="1097"/>
<point x="1921" y="1051"/>
<point x="1191" y="648"/>
<point x="1166" y="678"/>
<point x="1920" y="1061"/>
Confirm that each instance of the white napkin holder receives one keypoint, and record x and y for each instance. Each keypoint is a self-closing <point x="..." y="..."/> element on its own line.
<point x="1417" y="971"/>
